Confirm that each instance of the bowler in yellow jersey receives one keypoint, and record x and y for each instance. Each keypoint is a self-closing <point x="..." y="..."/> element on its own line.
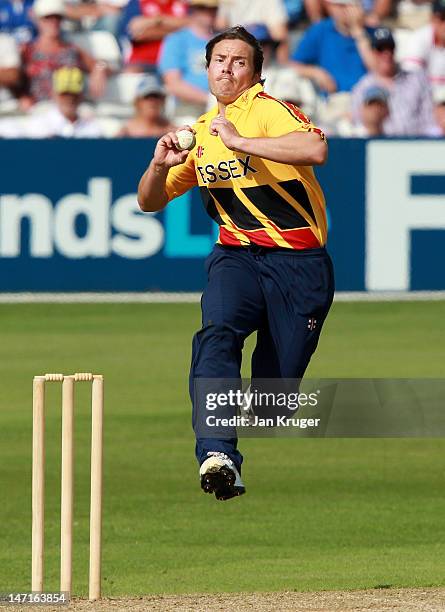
<point x="269" y="271"/>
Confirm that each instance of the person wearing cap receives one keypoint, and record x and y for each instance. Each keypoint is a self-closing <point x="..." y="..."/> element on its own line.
<point x="146" y="23"/>
<point x="373" y="112"/>
<point x="426" y="47"/>
<point x="62" y="118"/>
<point x="149" y="119"/>
<point x="410" y="103"/>
<point x="269" y="272"/>
<point x="182" y="61"/>
<point x="49" y="51"/>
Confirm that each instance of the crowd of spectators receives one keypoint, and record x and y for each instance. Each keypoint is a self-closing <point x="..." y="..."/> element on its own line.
<point x="136" y="68"/>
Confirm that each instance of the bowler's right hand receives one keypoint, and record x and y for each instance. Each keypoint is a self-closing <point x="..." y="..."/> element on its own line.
<point x="166" y="154"/>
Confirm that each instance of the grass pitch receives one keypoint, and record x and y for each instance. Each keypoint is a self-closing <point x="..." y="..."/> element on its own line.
<point x="318" y="514"/>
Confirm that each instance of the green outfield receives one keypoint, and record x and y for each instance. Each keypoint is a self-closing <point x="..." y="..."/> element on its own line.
<point x="318" y="514"/>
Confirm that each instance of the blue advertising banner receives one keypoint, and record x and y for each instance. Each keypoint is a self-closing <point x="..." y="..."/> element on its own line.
<point x="69" y="219"/>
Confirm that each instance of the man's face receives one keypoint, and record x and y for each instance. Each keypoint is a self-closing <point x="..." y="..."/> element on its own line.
<point x="374" y="113"/>
<point x="339" y="13"/>
<point x="204" y="17"/>
<point x="231" y="70"/>
<point x="150" y="107"/>
<point x="50" y="25"/>
<point x="439" y="115"/>
<point x="68" y="103"/>
<point x="439" y="28"/>
<point x="385" y="64"/>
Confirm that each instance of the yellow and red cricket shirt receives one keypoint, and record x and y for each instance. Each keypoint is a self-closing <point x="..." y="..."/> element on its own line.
<point x="252" y="199"/>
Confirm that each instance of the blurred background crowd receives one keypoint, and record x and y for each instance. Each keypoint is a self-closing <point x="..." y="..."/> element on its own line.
<point x="136" y="68"/>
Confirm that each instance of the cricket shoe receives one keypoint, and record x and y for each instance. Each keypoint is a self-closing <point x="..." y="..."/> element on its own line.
<point x="219" y="476"/>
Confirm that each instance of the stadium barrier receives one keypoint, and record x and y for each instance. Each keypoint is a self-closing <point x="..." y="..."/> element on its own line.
<point x="69" y="219"/>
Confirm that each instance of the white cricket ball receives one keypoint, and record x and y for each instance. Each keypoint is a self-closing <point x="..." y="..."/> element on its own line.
<point x="186" y="140"/>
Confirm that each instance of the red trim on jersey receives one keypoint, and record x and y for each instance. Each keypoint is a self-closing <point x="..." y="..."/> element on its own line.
<point x="318" y="131"/>
<point x="293" y="110"/>
<point x="228" y="238"/>
<point x="297" y="239"/>
<point x="415" y="60"/>
<point x="301" y="239"/>
<point x="260" y="237"/>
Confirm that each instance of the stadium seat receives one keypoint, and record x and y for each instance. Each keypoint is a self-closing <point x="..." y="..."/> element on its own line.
<point x="100" y="44"/>
<point x="110" y="126"/>
<point x="10" y="107"/>
<point x="402" y="38"/>
<point x="119" y="95"/>
<point x="336" y="108"/>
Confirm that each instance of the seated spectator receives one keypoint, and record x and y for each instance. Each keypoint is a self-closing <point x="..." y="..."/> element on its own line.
<point x="182" y="61"/>
<point x="410" y="103"/>
<point x="149" y="119"/>
<point x="15" y="19"/>
<point x="49" y="51"/>
<point x="146" y="23"/>
<point x="9" y="67"/>
<point x="270" y="14"/>
<point x="426" y="48"/>
<point x="439" y="112"/>
<point x="372" y="114"/>
<point x="62" y="118"/>
<point x="335" y="52"/>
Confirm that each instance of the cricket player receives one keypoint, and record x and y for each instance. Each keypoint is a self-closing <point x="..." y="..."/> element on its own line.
<point x="269" y="271"/>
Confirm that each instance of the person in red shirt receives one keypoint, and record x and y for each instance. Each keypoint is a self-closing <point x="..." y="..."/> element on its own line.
<point x="146" y="22"/>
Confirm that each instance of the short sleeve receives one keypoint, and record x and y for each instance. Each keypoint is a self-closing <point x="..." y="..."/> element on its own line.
<point x="132" y="9"/>
<point x="308" y="51"/>
<point x="279" y="118"/>
<point x="172" y="55"/>
<point x="181" y="178"/>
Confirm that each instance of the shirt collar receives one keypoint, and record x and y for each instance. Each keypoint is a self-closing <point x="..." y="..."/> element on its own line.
<point x="246" y="98"/>
<point x="244" y="101"/>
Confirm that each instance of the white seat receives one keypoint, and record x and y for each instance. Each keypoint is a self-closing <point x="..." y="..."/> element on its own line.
<point x="10" y="107"/>
<point x="110" y="126"/>
<point x="14" y="126"/>
<point x="402" y="38"/>
<point x="119" y="95"/>
<point x="100" y="44"/>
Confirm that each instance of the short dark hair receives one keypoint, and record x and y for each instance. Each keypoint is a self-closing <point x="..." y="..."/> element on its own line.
<point x="238" y="33"/>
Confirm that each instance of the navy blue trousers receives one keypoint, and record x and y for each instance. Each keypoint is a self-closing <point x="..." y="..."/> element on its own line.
<point x="283" y="295"/>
